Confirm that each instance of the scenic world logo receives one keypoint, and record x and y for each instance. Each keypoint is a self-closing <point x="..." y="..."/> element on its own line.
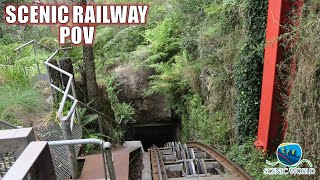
<point x="290" y="156"/>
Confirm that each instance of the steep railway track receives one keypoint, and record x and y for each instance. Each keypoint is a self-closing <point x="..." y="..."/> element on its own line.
<point x="178" y="161"/>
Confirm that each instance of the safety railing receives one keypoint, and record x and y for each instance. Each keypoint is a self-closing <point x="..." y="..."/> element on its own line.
<point x="34" y="44"/>
<point x="67" y="120"/>
<point x="35" y="161"/>
<point x="70" y="85"/>
<point x="105" y="153"/>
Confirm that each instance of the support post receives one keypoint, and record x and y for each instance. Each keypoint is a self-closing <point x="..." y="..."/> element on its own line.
<point x="70" y="151"/>
<point x="54" y="78"/>
<point x="271" y="121"/>
<point x="110" y="164"/>
<point x="35" y="53"/>
<point x="100" y="124"/>
<point x="66" y="64"/>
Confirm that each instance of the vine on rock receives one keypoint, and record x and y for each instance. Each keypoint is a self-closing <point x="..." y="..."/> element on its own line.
<point x="248" y="69"/>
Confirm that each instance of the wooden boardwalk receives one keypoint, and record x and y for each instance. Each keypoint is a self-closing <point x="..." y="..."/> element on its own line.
<point x="93" y="168"/>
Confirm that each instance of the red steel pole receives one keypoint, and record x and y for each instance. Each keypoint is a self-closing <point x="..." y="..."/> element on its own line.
<point x="272" y="124"/>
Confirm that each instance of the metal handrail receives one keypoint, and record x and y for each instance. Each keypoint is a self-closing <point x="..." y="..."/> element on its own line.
<point x="70" y="84"/>
<point x="23" y="45"/>
<point x="67" y="89"/>
<point x="105" y="152"/>
<point x="70" y="116"/>
<point x="81" y="104"/>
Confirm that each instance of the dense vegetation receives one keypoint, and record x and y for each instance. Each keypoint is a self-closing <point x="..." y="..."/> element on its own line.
<point x="303" y="104"/>
<point x="208" y="58"/>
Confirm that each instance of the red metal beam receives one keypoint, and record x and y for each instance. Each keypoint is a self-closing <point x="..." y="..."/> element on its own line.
<point x="271" y="122"/>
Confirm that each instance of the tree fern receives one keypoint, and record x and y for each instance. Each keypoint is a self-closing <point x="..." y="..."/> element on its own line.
<point x="156" y="58"/>
<point x="170" y="77"/>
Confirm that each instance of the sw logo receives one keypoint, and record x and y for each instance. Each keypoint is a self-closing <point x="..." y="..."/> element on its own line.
<point x="290" y="156"/>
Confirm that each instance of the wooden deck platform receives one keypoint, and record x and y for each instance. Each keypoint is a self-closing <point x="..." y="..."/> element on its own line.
<point x="93" y="168"/>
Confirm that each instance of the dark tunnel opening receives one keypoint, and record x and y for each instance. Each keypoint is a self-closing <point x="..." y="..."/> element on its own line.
<point x="149" y="135"/>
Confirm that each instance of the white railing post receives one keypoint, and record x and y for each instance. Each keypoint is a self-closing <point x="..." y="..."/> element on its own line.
<point x="70" y="151"/>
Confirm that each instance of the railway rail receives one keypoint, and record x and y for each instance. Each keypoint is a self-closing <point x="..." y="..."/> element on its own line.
<point x="176" y="161"/>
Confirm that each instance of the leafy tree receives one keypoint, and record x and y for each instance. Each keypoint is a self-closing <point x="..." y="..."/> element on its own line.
<point x="94" y="92"/>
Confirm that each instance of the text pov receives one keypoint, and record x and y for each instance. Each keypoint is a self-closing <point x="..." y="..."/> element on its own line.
<point x="76" y="23"/>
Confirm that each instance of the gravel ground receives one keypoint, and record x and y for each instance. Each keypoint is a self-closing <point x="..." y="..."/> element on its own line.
<point x="174" y="174"/>
<point x="136" y="166"/>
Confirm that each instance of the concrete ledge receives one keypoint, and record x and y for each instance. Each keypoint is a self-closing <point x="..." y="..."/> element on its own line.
<point x="15" y="140"/>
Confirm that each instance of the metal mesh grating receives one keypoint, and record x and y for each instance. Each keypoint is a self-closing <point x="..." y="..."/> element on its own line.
<point x="6" y="161"/>
<point x="53" y="132"/>
<point x="42" y="77"/>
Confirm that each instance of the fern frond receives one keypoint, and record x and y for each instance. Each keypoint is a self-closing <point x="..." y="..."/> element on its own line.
<point x="156" y="58"/>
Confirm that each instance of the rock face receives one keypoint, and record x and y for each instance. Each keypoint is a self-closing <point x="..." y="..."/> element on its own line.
<point x="133" y="82"/>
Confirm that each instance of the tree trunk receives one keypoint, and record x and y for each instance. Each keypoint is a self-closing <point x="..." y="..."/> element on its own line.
<point x="66" y="64"/>
<point x="97" y="99"/>
<point x="55" y="79"/>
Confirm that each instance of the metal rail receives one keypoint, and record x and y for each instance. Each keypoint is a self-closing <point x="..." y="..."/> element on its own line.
<point x="67" y="121"/>
<point x="71" y="113"/>
<point x="192" y="160"/>
<point x="235" y="171"/>
<point x="159" y="172"/>
<point x="105" y="152"/>
<point x="70" y="84"/>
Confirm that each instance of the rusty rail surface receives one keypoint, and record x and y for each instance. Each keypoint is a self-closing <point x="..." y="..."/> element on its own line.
<point x="235" y="171"/>
<point x="192" y="160"/>
<point x="157" y="164"/>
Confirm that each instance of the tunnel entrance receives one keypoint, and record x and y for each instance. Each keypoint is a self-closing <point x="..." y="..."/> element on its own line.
<point x="149" y="134"/>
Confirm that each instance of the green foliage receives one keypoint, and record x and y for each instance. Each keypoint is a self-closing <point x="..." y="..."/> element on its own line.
<point x="248" y="69"/>
<point x="125" y="40"/>
<point x="252" y="161"/>
<point x="303" y="104"/>
<point x="7" y="54"/>
<point x="89" y="132"/>
<point x="112" y="45"/>
<point x="25" y="58"/>
<point x="162" y="37"/>
<point x="207" y="58"/>
<point x="209" y="43"/>
<point x="156" y="58"/>
<point x="17" y="98"/>
<point x="246" y="156"/>
<point x="123" y="111"/>
<point x="200" y="125"/>
<point x="170" y="78"/>
<point x="14" y="75"/>
<point x="18" y="101"/>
